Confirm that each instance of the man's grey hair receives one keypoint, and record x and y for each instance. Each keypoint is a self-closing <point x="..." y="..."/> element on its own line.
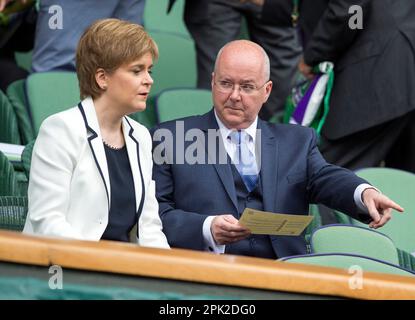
<point x="267" y="65"/>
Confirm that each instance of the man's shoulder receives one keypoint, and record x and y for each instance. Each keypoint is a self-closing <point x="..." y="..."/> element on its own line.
<point x="289" y="131"/>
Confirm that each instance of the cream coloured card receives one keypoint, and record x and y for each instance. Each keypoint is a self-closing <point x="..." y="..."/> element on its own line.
<point x="261" y="222"/>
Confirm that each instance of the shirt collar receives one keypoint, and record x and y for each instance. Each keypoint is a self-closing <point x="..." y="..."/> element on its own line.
<point x="251" y="130"/>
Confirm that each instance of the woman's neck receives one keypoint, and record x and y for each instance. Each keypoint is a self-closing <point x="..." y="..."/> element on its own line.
<point x="110" y="121"/>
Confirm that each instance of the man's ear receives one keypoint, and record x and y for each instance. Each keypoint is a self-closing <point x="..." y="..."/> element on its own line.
<point x="101" y="78"/>
<point x="212" y="82"/>
<point x="268" y="89"/>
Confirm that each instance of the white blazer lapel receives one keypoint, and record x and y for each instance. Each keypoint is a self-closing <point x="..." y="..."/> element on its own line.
<point x="133" y="150"/>
<point x="95" y="142"/>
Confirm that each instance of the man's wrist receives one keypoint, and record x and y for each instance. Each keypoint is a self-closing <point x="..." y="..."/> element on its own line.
<point x="358" y="195"/>
<point x="210" y="244"/>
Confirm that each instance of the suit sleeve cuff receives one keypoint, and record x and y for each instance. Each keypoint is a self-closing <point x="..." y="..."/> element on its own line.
<point x="358" y="193"/>
<point x="210" y="244"/>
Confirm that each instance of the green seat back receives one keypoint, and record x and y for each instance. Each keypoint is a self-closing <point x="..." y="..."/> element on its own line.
<point x="49" y="93"/>
<point x="22" y="183"/>
<point x="147" y="117"/>
<point x="349" y="239"/>
<point x="180" y="103"/>
<point x="348" y="261"/>
<point x="9" y="130"/>
<point x="342" y="218"/>
<point x="24" y="60"/>
<point x="399" y="186"/>
<point x="406" y="260"/>
<point x="13" y="211"/>
<point x="8" y="183"/>
<point x="176" y="66"/>
<point x="157" y="19"/>
<point x="315" y="223"/>
<point x="27" y="157"/>
<point x="17" y="97"/>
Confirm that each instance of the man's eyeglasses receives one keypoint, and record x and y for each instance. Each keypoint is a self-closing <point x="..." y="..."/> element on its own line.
<point x="244" y="88"/>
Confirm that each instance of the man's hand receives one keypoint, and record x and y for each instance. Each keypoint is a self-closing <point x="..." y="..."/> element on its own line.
<point x="257" y="2"/>
<point x="226" y="229"/>
<point x="379" y="207"/>
<point x="3" y="3"/>
<point x="305" y="69"/>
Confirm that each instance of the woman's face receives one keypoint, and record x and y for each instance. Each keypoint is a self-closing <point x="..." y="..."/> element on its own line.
<point x="129" y="85"/>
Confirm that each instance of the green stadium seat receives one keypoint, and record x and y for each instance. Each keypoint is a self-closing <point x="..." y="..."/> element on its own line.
<point x="342" y="218"/>
<point x="13" y="211"/>
<point x="157" y="19"/>
<point x="9" y="130"/>
<point x="354" y="240"/>
<point x="24" y="60"/>
<point x="349" y="262"/>
<point x="8" y="183"/>
<point x="406" y="260"/>
<point x="50" y="92"/>
<point x="315" y="223"/>
<point x="17" y="97"/>
<point x="147" y="117"/>
<point x="27" y="157"/>
<point x="179" y="103"/>
<point x="399" y="186"/>
<point x="176" y="66"/>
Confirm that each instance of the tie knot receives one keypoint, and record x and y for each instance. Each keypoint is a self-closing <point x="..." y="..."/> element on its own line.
<point x="239" y="137"/>
<point x="235" y="136"/>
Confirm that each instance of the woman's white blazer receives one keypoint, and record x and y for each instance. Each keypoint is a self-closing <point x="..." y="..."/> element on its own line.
<point x="69" y="188"/>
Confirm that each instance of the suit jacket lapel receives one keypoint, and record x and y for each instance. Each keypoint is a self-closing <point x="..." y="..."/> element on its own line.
<point x="224" y="171"/>
<point x="87" y="110"/>
<point x="269" y="164"/>
<point x="133" y="150"/>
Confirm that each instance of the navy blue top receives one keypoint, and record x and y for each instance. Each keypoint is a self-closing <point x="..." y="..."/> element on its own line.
<point x="122" y="214"/>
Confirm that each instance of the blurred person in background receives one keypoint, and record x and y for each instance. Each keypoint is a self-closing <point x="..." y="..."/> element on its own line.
<point x="17" y="32"/>
<point x="61" y="23"/>
<point x="372" y="106"/>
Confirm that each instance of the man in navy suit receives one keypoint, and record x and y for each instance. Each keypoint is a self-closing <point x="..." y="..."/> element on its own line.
<point x="202" y="194"/>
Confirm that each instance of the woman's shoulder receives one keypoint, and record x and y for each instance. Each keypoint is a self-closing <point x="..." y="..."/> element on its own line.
<point x="70" y="118"/>
<point x="66" y="126"/>
<point x="63" y="132"/>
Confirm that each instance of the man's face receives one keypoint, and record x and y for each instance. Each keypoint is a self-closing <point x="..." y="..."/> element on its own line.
<point x="239" y="87"/>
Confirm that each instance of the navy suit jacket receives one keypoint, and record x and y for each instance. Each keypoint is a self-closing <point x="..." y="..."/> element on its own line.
<point x="293" y="175"/>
